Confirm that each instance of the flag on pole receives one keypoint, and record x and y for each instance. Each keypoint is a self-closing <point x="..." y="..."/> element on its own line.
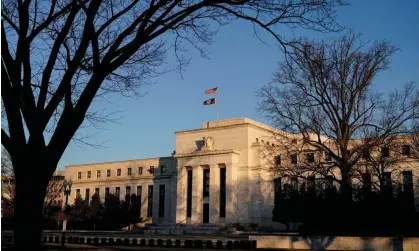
<point x="210" y="101"/>
<point x="211" y="91"/>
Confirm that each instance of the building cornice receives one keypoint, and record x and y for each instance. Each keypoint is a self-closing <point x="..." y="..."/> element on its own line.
<point x="120" y="161"/>
<point x="206" y="153"/>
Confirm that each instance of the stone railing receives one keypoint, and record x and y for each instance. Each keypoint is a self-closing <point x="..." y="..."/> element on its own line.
<point x="296" y="242"/>
<point x="154" y="242"/>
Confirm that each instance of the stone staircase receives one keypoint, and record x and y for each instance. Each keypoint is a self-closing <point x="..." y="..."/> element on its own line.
<point x="181" y="229"/>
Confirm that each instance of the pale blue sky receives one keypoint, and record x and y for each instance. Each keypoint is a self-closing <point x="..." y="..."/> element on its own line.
<point x="239" y="64"/>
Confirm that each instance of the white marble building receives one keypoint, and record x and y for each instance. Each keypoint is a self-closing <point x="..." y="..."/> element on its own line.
<point x="217" y="175"/>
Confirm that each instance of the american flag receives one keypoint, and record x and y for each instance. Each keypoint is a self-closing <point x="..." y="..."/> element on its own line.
<point x="211" y="91"/>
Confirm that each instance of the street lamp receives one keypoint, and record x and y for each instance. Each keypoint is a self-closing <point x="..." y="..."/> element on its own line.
<point x="67" y="192"/>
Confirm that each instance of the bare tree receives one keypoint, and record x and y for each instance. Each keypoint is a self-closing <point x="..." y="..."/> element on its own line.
<point x="324" y="97"/>
<point x="58" y="55"/>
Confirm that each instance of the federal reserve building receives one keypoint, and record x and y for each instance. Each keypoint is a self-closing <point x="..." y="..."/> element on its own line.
<point x="221" y="173"/>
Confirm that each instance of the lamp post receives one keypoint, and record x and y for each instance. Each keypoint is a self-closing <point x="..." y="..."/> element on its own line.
<point x="67" y="192"/>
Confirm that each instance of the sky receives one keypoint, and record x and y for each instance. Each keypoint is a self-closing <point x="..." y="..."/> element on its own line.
<point x="239" y="65"/>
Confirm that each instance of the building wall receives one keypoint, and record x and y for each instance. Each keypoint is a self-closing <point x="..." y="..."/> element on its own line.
<point x="133" y="181"/>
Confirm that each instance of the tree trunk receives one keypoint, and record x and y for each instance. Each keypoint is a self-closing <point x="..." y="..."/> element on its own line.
<point x="30" y="195"/>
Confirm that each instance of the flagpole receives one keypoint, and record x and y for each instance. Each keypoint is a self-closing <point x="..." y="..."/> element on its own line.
<point x="216" y="104"/>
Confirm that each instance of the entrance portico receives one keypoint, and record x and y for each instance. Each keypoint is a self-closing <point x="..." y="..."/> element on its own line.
<point x="203" y="196"/>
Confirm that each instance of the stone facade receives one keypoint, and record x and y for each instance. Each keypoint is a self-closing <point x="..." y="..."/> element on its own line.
<point x="233" y="146"/>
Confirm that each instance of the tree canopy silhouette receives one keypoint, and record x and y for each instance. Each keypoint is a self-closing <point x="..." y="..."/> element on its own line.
<point x="59" y="56"/>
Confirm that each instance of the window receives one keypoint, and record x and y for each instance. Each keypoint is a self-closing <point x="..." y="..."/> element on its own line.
<point x="78" y="195"/>
<point x="139" y="191"/>
<point x="189" y="195"/>
<point x="87" y="197"/>
<point x="161" y="200"/>
<point x="117" y="191"/>
<point x="79" y="175"/>
<point x="387" y="179"/>
<point x="128" y="190"/>
<point x="97" y="191"/>
<point x="222" y="192"/>
<point x="406" y="150"/>
<point x="162" y="168"/>
<point x="327" y="156"/>
<point x="310" y="182"/>
<point x="129" y="171"/>
<point x="294" y="141"/>
<point x="366" y="153"/>
<point x="206" y="178"/>
<point x="277" y="186"/>
<point x="108" y="173"/>
<point x="107" y="191"/>
<point x="310" y="157"/>
<point x="118" y="172"/>
<point x="151" y="170"/>
<point x="150" y="201"/>
<point x="329" y="181"/>
<point x="89" y="174"/>
<point x="140" y="170"/>
<point x="407" y="180"/>
<point x="294" y="183"/>
<point x="294" y="158"/>
<point x="98" y="173"/>
<point x="385" y="152"/>
<point x="278" y="160"/>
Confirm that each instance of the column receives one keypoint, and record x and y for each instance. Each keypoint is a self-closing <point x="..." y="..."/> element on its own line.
<point x="231" y="194"/>
<point x="215" y="194"/>
<point x="197" y="183"/>
<point x="180" y="195"/>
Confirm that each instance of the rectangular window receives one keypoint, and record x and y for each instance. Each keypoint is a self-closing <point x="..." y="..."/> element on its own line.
<point x="407" y="181"/>
<point x="79" y="175"/>
<point x="310" y="157"/>
<point x="223" y="192"/>
<point x="328" y="156"/>
<point x="294" y="158"/>
<point x="129" y="171"/>
<point x="189" y="195"/>
<point x="117" y="191"/>
<point x="140" y="170"/>
<point x="89" y="174"/>
<point x="161" y="200"/>
<point x="107" y="191"/>
<point x="162" y="168"/>
<point x="329" y="181"/>
<point x="128" y="190"/>
<point x="87" y="197"/>
<point x="294" y="183"/>
<point x="385" y="152"/>
<point x="311" y="182"/>
<point x="139" y="190"/>
<point x="98" y="173"/>
<point x="151" y="170"/>
<point x="366" y="153"/>
<point x="108" y="173"/>
<point x="278" y="160"/>
<point x="118" y="172"/>
<point x="78" y="195"/>
<point x="150" y="201"/>
<point x="294" y="141"/>
<point x="97" y="191"/>
<point x="387" y="179"/>
<point x="206" y="181"/>
<point x="406" y="150"/>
